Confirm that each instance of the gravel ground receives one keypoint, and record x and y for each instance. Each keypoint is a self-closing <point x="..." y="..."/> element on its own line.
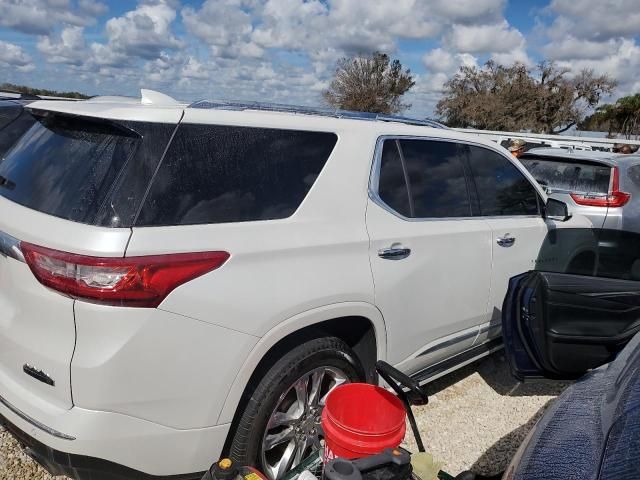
<point x="478" y="416"/>
<point x="476" y="419"/>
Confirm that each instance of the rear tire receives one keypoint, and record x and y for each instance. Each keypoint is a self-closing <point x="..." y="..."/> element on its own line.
<point x="278" y="425"/>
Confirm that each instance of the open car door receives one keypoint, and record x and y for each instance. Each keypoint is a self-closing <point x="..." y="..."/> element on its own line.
<point x="578" y="308"/>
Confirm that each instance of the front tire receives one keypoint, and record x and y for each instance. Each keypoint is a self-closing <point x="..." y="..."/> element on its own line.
<point x="279" y="424"/>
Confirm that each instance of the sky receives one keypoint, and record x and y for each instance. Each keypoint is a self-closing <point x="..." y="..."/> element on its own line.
<point x="286" y="50"/>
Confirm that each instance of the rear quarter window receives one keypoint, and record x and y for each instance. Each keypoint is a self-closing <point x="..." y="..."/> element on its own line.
<point x="218" y="174"/>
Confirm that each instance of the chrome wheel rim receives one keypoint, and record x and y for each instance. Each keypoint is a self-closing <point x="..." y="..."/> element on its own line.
<point x="292" y="431"/>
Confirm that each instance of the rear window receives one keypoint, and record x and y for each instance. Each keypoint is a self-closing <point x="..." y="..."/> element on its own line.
<point x="217" y="174"/>
<point x="570" y="176"/>
<point x="9" y="111"/>
<point x="14" y="121"/>
<point x="82" y="169"/>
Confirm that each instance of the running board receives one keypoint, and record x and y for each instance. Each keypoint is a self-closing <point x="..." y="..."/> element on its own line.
<point x="458" y="361"/>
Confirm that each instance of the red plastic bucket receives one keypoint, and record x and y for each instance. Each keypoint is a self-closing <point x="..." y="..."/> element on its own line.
<point x="359" y="419"/>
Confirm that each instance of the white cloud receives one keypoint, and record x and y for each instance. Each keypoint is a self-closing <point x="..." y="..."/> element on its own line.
<point x="441" y="60"/>
<point x="41" y="16"/>
<point x="225" y="25"/>
<point x="623" y="65"/>
<point x="14" y="57"/>
<point x="469" y="11"/>
<point x="144" y="32"/>
<point x="93" y="7"/>
<point x="518" y="54"/>
<point x="69" y="47"/>
<point x="595" y="19"/>
<point x="570" y="47"/>
<point x="495" y="38"/>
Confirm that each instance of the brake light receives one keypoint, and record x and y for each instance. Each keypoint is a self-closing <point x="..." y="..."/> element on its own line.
<point x="132" y="282"/>
<point x="615" y="198"/>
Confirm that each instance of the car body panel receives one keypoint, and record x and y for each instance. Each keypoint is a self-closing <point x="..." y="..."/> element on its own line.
<point x="37" y="325"/>
<point x="626" y="217"/>
<point x="591" y="431"/>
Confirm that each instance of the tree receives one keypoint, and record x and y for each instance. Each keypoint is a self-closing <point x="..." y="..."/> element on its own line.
<point x="9" y="87"/>
<point x="497" y="97"/>
<point x="371" y="83"/>
<point x="622" y="117"/>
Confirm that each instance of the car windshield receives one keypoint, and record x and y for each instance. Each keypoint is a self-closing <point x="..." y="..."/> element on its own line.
<point x="559" y="174"/>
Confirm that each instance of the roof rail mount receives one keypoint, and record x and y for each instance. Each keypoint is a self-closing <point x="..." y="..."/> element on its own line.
<point x="303" y="110"/>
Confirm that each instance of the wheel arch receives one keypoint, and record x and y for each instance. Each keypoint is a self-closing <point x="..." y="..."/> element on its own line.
<point x="360" y="325"/>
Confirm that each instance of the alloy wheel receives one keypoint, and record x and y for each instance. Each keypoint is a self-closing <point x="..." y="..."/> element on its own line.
<point x="292" y="431"/>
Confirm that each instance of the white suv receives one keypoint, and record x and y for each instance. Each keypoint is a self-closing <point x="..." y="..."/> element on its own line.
<point x="179" y="281"/>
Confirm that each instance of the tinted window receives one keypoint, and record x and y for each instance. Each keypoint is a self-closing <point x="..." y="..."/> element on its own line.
<point x="436" y="178"/>
<point x="392" y="187"/>
<point x="215" y="174"/>
<point x="71" y="167"/>
<point x="591" y="252"/>
<point x="571" y="176"/>
<point x="502" y="188"/>
<point x="13" y="123"/>
<point x="9" y="111"/>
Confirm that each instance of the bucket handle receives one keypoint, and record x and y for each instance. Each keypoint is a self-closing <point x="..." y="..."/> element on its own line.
<point x="396" y="380"/>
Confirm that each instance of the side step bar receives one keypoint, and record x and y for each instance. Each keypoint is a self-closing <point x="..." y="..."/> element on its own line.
<point x="458" y="361"/>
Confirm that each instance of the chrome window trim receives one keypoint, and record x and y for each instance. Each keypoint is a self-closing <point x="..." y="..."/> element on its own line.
<point x="374" y="180"/>
<point x="10" y="247"/>
<point x="35" y="422"/>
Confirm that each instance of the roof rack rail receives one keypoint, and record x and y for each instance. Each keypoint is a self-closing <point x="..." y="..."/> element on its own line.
<point x="303" y="110"/>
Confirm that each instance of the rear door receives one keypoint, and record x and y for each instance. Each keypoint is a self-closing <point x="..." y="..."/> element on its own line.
<point x="579" y="309"/>
<point x="427" y="251"/>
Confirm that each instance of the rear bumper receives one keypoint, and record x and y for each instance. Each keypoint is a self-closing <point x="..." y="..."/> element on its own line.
<point x="80" y="467"/>
<point x="109" y="446"/>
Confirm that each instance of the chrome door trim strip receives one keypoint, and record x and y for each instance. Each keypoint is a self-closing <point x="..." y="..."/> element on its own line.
<point x="10" y="247"/>
<point x="465" y="335"/>
<point x="35" y="422"/>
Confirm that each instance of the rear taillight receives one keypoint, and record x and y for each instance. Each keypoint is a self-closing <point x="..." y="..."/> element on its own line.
<point x="130" y="282"/>
<point x="615" y="198"/>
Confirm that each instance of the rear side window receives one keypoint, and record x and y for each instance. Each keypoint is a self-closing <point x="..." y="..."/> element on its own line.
<point x="436" y="178"/>
<point x="502" y="189"/>
<point x="392" y="186"/>
<point x="571" y="176"/>
<point x="424" y="178"/>
<point x="74" y="167"/>
<point x="217" y="174"/>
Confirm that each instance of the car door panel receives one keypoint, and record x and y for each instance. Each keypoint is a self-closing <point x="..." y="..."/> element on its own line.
<point x="420" y="296"/>
<point x="427" y="251"/>
<point x="528" y="234"/>
<point x="560" y="325"/>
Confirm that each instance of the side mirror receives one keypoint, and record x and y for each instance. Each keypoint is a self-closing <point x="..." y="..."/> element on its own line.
<point x="556" y="210"/>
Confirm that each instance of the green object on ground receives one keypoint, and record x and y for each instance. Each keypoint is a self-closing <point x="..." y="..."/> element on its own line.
<point x="424" y="466"/>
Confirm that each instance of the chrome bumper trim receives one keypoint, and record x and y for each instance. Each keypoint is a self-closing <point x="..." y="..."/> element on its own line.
<point x="34" y="422"/>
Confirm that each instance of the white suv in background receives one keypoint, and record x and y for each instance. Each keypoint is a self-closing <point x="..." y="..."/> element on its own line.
<point x="179" y="281"/>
